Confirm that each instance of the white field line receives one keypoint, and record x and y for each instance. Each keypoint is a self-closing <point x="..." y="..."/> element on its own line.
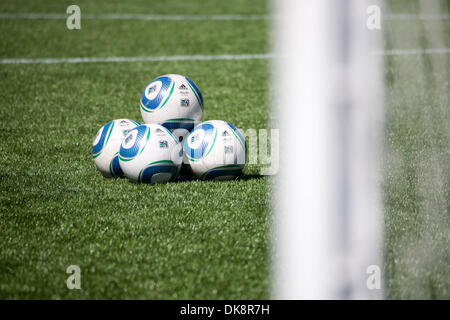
<point x="403" y="16"/>
<point x="201" y="17"/>
<point x="408" y="52"/>
<point x="395" y="52"/>
<point x="134" y="59"/>
<point x="152" y="17"/>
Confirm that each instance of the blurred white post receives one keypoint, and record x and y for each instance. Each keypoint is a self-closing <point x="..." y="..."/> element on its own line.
<point x="329" y="96"/>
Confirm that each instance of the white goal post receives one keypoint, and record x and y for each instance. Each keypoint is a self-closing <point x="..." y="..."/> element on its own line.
<point x="328" y="236"/>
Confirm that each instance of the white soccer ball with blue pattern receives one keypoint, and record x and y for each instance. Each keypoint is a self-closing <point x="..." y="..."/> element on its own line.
<point x="150" y="153"/>
<point x="215" y="150"/>
<point x="174" y="101"/>
<point x="106" y="145"/>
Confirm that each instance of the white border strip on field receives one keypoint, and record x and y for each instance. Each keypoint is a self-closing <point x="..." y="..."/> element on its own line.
<point x="408" y="16"/>
<point x="409" y="52"/>
<point x="151" y="17"/>
<point x="395" y="52"/>
<point x="196" y="17"/>
<point x="138" y="59"/>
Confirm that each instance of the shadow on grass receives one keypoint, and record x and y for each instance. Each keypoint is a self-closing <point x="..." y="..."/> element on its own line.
<point x="245" y="177"/>
<point x="188" y="177"/>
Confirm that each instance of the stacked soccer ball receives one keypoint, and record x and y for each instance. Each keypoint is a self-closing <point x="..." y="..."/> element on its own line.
<point x="171" y="106"/>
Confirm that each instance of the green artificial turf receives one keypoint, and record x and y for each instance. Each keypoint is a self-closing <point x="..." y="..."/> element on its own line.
<point x="183" y="240"/>
<point x="192" y="239"/>
<point x="417" y="172"/>
<point x="177" y="240"/>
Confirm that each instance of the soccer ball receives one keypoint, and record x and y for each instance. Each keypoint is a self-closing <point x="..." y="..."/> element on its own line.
<point x="215" y="150"/>
<point x="106" y="145"/>
<point x="150" y="153"/>
<point x="174" y="101"/>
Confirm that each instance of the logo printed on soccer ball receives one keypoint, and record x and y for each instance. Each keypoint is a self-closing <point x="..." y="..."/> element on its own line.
<point x="225" y="133"/>
<point x="123" y="123"/>
<point x="163" y="144"/>
<point x="129" y="140"/>
<point x="152" y="90"/>
<point x="196" y="139"/>
<point x="184" y="102"/>
<point x="160" y="132"/>
<point x="228" y="149"/>
<point x="182" y="87"/>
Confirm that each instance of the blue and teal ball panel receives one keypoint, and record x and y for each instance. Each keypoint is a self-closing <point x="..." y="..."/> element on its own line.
<point x="131" y="143"/>
<point x="163" y="171"/>
<point x="239" y="136"/>
<point x="200" y="141"/>
<point x="106" y="145"/>
<point x="102" y="138"/>
<point x="196" y="91"/>
<point x="114" y="167"/>
<point x="157" y="93"/>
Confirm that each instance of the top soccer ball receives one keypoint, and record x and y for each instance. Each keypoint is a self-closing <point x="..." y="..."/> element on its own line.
<point x="173" y="101"/>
